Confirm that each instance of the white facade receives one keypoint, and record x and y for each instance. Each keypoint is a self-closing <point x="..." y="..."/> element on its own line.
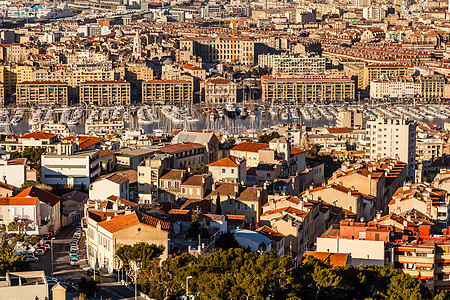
<point x="393" y="138"/>
<point x="13" y="174"/>
<point x="393" y="88"/>
<point x="77" y="169"/>
<point x="104" y="188"/>
<point x="362" y="251"/>
<point x="288" y="64"/>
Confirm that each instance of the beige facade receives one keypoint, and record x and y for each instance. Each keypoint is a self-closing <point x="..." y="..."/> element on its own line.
<point x="42" y="93"/>
<point x="105" y="237"/>
<point x="219" y="91"/>
<point x="167" y="91"/>
<point x="220" y="49"/>
<point x="229" y="169"/>
<point x="105" y="92"/>
<point x="307" y="89"/>
<point x="374" y="72"/>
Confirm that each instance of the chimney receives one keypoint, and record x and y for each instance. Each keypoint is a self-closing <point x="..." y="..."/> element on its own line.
<point x="258" y="193"/>
<point x="444" y="234"/>
<point x="301" y="204"/>
<point x="405" y="223"/>
<point x="104" y="209"/>
<point x="378" y="215"/>
<point x="236" y="189"/>
<point x="96" y="205"/>
<point x="115" y="206"/>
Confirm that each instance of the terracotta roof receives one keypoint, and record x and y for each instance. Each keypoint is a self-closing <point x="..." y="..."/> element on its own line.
<point x="85" y="141"/>
<point x="167" y="82"/>
<point x="230" y="161"/>
<point x="16" y="161"/>
<point x="75" y="195"/>
<point x="173" y="174"/>
<point x="18" y="200"/>
<point x="195" y="180"/>
<point x="121" y="222"/>
<point x="225" y="189"/>
<point x="42" y="82"/>
<point x="104" y="153"/>
<point x="288" y="210"/>
<point x="250" y="147"/>
<point x="296" y="151"/>
<point x="6" y="186"/>
<point x="105" y="82"/>
<point x="114" y="177"/>
<point x="99" y="216"/>
<point x="174" y="148"/>
<point x="38" y="136"/>
<point x="335" y="259"/>
<point x="340" y="130"/>
<point x="119" y="201"/>
<point x="250" y="194"/>
<point x="203" y="205"/>
<point x="41" y="194"/>
<point x="270" y="233"/>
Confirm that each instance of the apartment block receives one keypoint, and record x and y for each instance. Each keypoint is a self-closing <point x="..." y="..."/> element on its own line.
<point x="78" y="169"/>
<point x="41" y="93"/>
<point x="105" y="92"/>
<point x="219" y="91"/>
<point x="392" y="138"/>
<point x="376" y="71"/>
<point x="307" y="89"/>
<point x="167" y="91"/>
<point x="220" y="49"/>
<point x="287" y="65"/>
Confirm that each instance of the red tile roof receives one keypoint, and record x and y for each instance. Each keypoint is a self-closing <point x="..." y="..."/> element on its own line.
<point x="250" y="147"/>
<point x="38" y="136"/>
<point x="335" y="259"/>
<point x="18" y="200"/>
<point x="230" y="161"/>
<point x="296" y="151"/>
<point x="121" y="222"/>
<point x="41" y="194"/>
<point x="174" y="148"/>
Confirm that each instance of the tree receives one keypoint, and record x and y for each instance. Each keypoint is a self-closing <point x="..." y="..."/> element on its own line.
<point x="141" y="253"/>
<point x="404" y="287"/>
<point x="227" y="241"/>
<point x="265" y="138"/>
<point x="10" y="262"/>
<point x="87" y="287"/>
<point x="199" y="169"/>
<point x="218" y="206"/>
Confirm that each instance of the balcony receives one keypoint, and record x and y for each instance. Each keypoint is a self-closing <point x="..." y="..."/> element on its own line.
<point x="418" y="273"/>
<point x="413" y="259"/>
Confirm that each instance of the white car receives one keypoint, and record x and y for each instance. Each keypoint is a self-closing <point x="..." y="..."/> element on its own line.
<point x="74" y="261"/>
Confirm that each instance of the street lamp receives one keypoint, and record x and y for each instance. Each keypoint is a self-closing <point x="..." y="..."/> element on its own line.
<point x="51" y="252"/>
<point x="187" y="286"/>
<point x="136" y="274"/>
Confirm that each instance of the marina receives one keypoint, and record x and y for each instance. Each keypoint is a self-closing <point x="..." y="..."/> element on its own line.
<point x="229" y="119"/>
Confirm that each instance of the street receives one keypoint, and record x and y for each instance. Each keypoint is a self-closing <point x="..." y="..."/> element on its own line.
<point x="63" y="271"/>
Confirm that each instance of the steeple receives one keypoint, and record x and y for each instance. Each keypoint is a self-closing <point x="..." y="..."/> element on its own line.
<point x="137" y="46"/>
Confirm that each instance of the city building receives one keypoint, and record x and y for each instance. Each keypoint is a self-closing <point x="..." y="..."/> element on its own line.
<point x="167" y="91"/>
<point x="81" y="168"/>
<point x="307" y="89"/>
<point x="289" y="65"/>
<point x="41" y="93"/>
<point x="105" y="93"/>
<point x="219" y="91"/>
<point x="393" y="138"/>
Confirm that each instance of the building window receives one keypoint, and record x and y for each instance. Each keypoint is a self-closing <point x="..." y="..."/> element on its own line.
<point x="223" y="170"/>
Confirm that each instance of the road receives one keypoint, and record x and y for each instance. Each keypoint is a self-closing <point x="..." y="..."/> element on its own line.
<point x="63" y="271"/>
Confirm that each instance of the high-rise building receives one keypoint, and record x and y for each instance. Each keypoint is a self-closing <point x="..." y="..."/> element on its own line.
<point x="393" y="138"/>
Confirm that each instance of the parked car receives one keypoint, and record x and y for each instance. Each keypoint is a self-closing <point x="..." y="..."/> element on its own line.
<point x="31" y="259"/>
<point x="73" y="255"/>
<point x="69" y="287"/>
<point x="46" y="246"/>
<point x="39" y="252"/>
<point x="74" y="261"/>
<point x="45" y="249"/>
<point x="51" y="281"/>
<point x="90" y="272"/>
